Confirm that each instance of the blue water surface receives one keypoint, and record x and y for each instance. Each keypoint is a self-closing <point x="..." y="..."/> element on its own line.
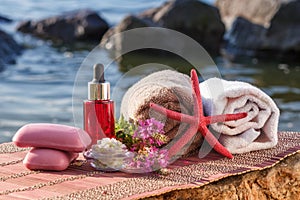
<point x="38" y="88"/>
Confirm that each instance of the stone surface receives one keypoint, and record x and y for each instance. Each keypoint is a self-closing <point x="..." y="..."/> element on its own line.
<point x="198" y="20"/>
<point x="281" y="39"/>
<point x="256" y="11"/>
<point x="5" y="19"/>
<point x="129" y="22"/>
<point x="69" y="27"/>
<point x="280" y="182"/>
<point x="9" y="49"/>
<point x="117" y="44"/>
<point x="284" y="30"/>
<point x="245" y="34"/>
<point x="244" y="38"/>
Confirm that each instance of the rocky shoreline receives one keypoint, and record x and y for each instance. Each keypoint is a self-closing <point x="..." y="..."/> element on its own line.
<point x="78" y="25"/>
<point x="260" y="29"/>
<point x="270" y="31"/>
<point x="278" y="182"/>
<point x="9" y="48"/>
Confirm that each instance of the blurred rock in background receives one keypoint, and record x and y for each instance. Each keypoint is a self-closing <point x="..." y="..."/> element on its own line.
<point x="256" y="11"/>
<point x="79" y="25"/>
<point x="9" y="48"/>
<point x="193" y="18"/>
<point x="262" y="28"/>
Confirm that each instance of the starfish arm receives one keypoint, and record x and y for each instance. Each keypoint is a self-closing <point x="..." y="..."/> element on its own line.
<point x="172" y="114"/>
<point x="213" y="142"/>
<point x="224" y="118"/>
<point x="182" y="141"/>
<point x="196" y="89"/>
<point x="197" y="122"/>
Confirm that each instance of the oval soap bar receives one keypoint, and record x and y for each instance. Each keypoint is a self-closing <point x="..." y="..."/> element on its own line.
<point x="48" y="159"/>
<point x="44" y="135"/>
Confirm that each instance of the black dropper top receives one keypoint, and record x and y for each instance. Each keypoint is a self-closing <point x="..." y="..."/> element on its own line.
<point x="99" y="89"/>
<point x="98" y="73"/>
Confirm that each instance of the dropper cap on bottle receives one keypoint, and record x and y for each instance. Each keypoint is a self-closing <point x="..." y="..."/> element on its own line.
<point x="99" y="89"/>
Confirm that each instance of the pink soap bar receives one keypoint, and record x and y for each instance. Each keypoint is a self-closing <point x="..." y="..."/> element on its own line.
<point x="48" y="159"/>
<point x="62" y="137"/>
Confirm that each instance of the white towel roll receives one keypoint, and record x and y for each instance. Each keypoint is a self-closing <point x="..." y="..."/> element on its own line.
<point x="256" y="131"/>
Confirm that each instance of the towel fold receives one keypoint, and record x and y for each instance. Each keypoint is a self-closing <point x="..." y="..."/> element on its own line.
<point x="255" y="132"/>
<point x="167" y="88"/>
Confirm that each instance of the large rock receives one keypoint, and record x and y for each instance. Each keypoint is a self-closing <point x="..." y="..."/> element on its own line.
<point x="129" y="22"/>
<point x="118" y="44"/>
<point x="280" y="182"/>
<point x="5" y="19"/>
<point x="245" y="35"/>
<point x="284" y="30"/>
<point x="280" y="38"/>
<point x="198" y="20"/>
<point x="256" y="11"/>
<point x="9" y="49"/>
<point x="69" y="27"/>
<point x="244" y="39"/>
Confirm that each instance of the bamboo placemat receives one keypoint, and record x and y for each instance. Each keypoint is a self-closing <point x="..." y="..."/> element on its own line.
<point x="80" y="181"/>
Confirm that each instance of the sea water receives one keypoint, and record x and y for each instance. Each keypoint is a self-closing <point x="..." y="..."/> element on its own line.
<point x="39" y="87"/>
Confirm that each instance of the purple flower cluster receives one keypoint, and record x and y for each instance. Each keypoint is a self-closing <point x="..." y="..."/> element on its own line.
<point x="148" y="127"/>
<point x="149" y="137"/>
<point x="150" y="133"/>
<point x="150" y="160"/>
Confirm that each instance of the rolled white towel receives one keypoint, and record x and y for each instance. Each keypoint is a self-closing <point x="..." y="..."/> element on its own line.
<point x="256" y="131"/>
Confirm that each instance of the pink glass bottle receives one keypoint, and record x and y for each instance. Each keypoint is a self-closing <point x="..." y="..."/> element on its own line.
<point x="98" y="110"/>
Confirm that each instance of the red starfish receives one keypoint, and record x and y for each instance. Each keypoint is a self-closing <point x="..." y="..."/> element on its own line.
<point x="198" y="122"/>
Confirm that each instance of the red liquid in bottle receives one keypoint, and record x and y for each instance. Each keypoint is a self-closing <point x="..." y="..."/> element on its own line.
<point x="98" y="110"/>
<point x="99" y="119"/>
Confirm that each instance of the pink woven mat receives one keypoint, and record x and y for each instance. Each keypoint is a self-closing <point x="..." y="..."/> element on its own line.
<point x="80" y="181"/>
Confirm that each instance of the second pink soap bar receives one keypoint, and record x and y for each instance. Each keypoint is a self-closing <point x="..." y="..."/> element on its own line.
<point x="56" y="136"/>
<point x="48" y="159"/>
